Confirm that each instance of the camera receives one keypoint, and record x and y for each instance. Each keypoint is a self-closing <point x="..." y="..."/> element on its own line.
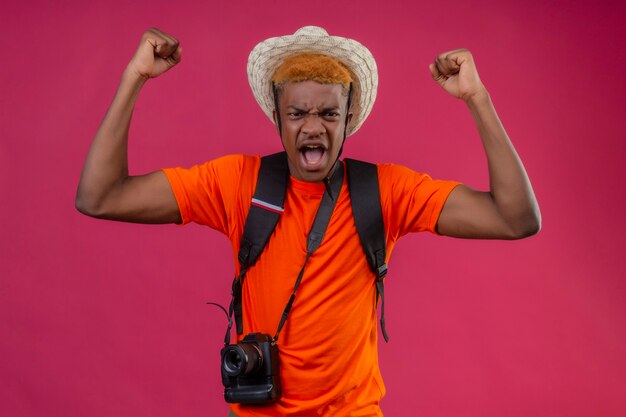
<point x="250" y="370"/>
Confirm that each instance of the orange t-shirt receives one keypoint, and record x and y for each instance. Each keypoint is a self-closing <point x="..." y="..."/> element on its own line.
<point x="328" y="346"/>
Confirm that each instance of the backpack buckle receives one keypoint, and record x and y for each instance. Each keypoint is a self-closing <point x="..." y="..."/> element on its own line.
<point x="382" y="271"/>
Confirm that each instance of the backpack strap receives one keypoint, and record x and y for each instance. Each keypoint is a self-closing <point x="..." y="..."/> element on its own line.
<point x="265" y="210"/>
<point x="267" y="206"/>
<point x="368" y="218"/>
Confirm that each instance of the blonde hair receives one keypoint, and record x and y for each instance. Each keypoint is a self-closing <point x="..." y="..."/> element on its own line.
<point x="312" y="67"/>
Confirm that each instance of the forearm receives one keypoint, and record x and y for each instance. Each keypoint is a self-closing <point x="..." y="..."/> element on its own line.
<point x="510" y="188"/>
<point x="106" y="164"/>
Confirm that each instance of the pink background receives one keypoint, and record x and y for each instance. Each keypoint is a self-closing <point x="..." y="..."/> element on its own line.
<point x="102" y="318"/>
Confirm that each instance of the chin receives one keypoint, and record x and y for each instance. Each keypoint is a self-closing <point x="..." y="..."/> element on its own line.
<point x="312" y="176"/>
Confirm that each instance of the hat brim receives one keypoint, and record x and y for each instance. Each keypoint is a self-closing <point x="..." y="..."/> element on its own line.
<point x="268" y="55"/>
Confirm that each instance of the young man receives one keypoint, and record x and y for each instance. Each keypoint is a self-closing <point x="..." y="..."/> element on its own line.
<point x="318" y="89"/>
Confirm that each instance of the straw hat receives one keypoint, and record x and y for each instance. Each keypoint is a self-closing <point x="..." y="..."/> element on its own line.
<point x="268" y="55"/>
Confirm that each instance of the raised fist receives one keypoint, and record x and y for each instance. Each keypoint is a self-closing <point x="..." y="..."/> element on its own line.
<point x="456" y="73"/>
<point x="157" y="53"/>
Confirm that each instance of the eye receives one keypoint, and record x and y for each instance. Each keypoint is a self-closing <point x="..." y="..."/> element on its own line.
<point x="331" y="115"/>
<point x="295" y="115"/>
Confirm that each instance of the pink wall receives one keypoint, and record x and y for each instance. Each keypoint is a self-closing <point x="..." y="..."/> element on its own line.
<point x="102" y="319"/>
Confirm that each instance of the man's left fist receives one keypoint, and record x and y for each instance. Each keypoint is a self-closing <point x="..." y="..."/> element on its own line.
<point x="456" y="73"/>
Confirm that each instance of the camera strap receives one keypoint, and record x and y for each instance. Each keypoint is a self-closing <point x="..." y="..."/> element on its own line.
<point x="316" y="235"/>
<point x="267" y="206"/>
<point x="264" y="213"/>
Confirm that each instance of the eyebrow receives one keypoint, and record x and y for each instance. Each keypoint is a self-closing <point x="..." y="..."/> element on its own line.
<point x="324" y="110"/>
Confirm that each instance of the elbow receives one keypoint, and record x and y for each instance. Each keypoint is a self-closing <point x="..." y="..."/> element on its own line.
<point x="83" y="206"/>
<point x="529" y="230"/>
<point x="528" y="227"/>
<point x="87" y="205"/>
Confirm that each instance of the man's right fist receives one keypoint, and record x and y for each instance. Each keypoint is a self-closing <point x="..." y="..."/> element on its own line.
<point x="157" y="53"/>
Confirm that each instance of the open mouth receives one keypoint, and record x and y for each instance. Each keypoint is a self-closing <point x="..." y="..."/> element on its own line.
<point x="312" y="156"/>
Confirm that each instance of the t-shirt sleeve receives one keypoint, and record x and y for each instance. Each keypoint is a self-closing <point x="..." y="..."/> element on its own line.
<point x="411" y="201"/>
<point x="210" y="193"/>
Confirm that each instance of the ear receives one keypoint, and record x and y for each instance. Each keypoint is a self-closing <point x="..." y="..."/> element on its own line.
<point x="348" y="120"/>
<point x="276" y="121"/>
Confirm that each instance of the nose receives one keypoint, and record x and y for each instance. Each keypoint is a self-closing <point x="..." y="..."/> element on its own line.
<point x="312" y="125"/>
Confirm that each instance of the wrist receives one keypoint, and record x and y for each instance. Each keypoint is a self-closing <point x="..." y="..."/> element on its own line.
<point x="132" y="76"/>
<point x="480" y="97"/>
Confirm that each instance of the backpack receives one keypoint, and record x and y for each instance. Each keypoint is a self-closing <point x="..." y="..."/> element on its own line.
<point x="267" y="206"/>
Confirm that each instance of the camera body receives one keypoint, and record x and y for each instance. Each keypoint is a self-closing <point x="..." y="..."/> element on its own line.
<point x="250" y="371"/>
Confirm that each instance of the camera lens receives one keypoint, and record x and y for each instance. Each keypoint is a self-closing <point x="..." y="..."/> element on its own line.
<point x="241" y="360"/>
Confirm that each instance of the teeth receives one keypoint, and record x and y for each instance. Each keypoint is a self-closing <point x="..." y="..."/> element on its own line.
<point x="312" y="154"/>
